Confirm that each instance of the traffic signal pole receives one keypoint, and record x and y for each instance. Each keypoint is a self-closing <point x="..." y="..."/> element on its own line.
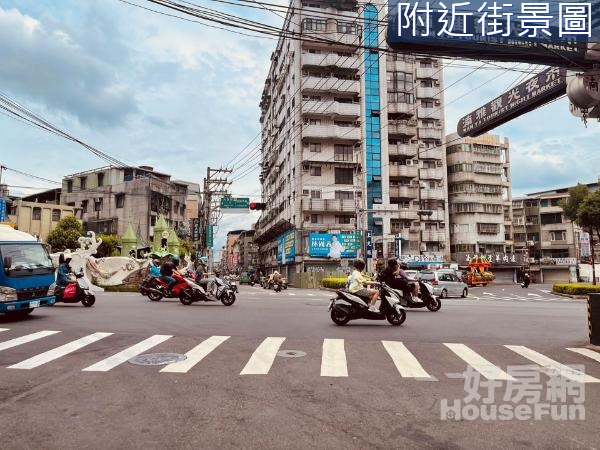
<point x="213" y="189"/>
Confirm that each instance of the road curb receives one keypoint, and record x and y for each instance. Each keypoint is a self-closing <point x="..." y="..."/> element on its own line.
<point x="576" y="297"/>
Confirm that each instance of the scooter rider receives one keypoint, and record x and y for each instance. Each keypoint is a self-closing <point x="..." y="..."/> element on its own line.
<point x="357" y="282"/>
<point x="64" y="269"/>
<point x="526" y="279"/>
<point x="411" y="286"/>
<point x="167" y="270"/>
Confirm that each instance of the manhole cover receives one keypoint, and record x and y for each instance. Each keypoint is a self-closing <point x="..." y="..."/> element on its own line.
<point x="291" y="353"/>
<point x="157" y="359"/>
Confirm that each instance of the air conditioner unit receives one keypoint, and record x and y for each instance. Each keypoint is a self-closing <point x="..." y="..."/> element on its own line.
<point x="437" y="103"/>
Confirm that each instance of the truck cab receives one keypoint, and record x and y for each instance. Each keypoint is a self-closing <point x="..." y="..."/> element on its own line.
<point x="27" y="278"/>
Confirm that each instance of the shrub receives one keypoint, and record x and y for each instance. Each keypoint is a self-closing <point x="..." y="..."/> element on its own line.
<point x="575" y="289"/>
<point x="334" y="283"/>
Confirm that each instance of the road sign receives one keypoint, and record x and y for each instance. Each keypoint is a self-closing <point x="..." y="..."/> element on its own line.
<point x="369" y="244"/>
<point x="469" y="30"/>
<point x="233" y="205"/>
<point x="209" y="236"/>
<point x="3" y="217"/>
<point x="195" y="229"/>
<point x="525" y="97"/>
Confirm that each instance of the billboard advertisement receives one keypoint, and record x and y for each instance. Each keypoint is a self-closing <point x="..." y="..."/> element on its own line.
<point x="334" y="246"/>
<point x="585" y="247"/>
<point x="286" y="248"/>
<point x="550" y="33"/>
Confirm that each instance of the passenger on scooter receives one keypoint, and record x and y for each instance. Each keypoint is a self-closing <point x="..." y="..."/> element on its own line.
<point x="155" y="268"/>
<point x="166" y="271"/>
<point x="357" y="282"/>
<point x="200" y="271"/>
<point x="64" y="269"/>
<point x="390" y="275"/>
<point x="411" y="285"/>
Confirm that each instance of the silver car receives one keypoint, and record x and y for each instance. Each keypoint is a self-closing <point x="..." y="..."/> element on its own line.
<point x="445" y="283"/>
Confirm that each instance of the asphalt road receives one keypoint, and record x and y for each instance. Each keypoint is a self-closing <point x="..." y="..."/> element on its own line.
<point x="365" y="385"/>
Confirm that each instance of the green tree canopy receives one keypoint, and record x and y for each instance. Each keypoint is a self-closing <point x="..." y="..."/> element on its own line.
<point x="576" y="197"/>
<point x="109" y="247"/>
<point x="588" y="214"/>
<point x="68" y="230"/>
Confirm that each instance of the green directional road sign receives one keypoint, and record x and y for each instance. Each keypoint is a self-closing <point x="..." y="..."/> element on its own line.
<point x="235" y="204"/>
<point x="209" y="236"/>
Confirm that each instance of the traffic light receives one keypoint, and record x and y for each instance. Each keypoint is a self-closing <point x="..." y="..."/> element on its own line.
<point x="257" y="206"/>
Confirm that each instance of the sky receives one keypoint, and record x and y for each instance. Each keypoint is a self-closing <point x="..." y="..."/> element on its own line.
<point x="179" y="96"/>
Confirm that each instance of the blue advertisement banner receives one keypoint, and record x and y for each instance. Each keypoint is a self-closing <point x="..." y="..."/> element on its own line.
<point x="3" y="217"/>
<point x="335" y="246"/>
<point x="286" y="247"/>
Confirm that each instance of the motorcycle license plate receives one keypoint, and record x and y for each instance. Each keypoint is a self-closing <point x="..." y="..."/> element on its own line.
<point x="35" y="304"/>
<point x="331" y="304"/>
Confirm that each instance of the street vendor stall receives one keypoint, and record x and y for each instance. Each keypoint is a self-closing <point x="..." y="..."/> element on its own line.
<point x="479" y="273"/>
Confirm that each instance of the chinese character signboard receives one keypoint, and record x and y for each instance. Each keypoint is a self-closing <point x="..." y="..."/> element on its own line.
<point x="209" y="236"/>
<point x="233" y="205"/>
<point x="2" y="210"/>
<point x="496" y="259"/>
<point x="585" y="250"/>
<point x="335" y="246"/>
<point x="525" y="97"/>
<point x="549" y="33"/>
<point x="286" y="247"/>
<point x="422" y="259"/>
<point x="195" y="229"/>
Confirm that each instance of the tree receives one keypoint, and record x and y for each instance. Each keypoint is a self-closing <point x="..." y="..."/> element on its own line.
<point x="68" y="230"/>
<point x="576" y="197"/>
<point x="109" y="247"/>
<point x="588" y="213"/>
<point x="186" y="248"/>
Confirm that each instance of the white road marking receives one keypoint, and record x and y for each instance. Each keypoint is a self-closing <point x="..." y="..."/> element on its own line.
<point x="4" y="329"/>
<point x="544" y="291"/>
<point x="59" y="352"/>
<point x="405" y="361"/>
<point x="489" y="293"/>
<point x="25" y="339"/>
<point x="533" y="295"/>
<point x="548" y="363"/>
<point x="289" y="293"/>
<point x="311" y="295"/>
<point x="478" y="362"/>
<point x="333" y="360"/>
<point x="263" y="357"/>
<point x="586" y="352"/>
<point x="110" y="363"/>
<point x="195" y="355"/>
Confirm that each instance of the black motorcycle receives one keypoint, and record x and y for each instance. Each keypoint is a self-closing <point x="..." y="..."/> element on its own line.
<point x="426" y="298"/>
<point x="347" y="306"/>
<point x="77" y="290"/>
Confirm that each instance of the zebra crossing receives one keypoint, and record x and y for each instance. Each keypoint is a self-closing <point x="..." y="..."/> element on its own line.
<point x="335" y="359"/>
<point x="544" y="297"/>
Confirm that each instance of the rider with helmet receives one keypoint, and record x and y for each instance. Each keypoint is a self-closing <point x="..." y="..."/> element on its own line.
<point x="167" y="270"/>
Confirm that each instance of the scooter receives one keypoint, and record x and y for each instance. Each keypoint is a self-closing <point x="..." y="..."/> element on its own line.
<point x="525" y="284"/>
<point x="156" y="289"/>
<point x="224" y="293"/>
<point x="77" y="290"/>
<point x="427" y="299"/>
<point x="347" y="306"/>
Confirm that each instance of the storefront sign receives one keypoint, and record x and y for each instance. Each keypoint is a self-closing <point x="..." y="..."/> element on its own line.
<point x="335" y="246"/>
<point x="424" y="259"/>
<point x="559" y="261"/>
<point x="2" y="210"/>
<point x="585" y="249"/>
<point x="286" y="248"/>
<point x="496" y="259"/>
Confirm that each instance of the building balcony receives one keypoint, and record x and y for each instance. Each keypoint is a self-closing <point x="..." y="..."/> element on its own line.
<point x="332" y="38"/>
<point x="436" y="216"/>
<point x="309" y="226"/>
<point x="433" y="194"/>
<point x="330" y="84"/>
<point x="430" y="133"/>
<point x="433" y="236"/>
<point x="432" y="174"/>
<point x="431" y="153"/>
<point x="429" y="113"/>
<point x="404" y="171"/>
<point x="331" y="132"/>
<point x="399" y="66"/>
<point x="328" y="205"/>
<point x="401" y="108"/>
<point x="407" y="128"/>
<point x="406" y="214"/>
<point x="331" y="108"/>
<point x="428" y="92"/>
<point x="408" y="150"/>
<point x="556" y="244"/>
<point x="404" y="192"/>
<point x="428" y="72"/>
<point x="330" y="60"/>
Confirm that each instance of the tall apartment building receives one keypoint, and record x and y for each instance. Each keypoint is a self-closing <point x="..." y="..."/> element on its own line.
<point x="108" y="199"/>
<point x="479" y="196"/>
<point x="352" y="138"/>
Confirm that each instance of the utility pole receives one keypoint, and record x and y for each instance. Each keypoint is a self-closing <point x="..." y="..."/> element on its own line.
<point x="214" y="188"/>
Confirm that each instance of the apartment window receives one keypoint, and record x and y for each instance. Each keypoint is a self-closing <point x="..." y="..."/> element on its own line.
<point x="558" y="235"/>
<point x="344" y="176"/>
<point x="84" y="206"/>
<point x="344" y="195"/>
<point x="315" y="194"/>
<point x="69" y="185"/>
<point x="425" y="64"/>
<point x="316" y="218"/>
<point x="343" y="153"/>
<point x="488" y="228"/>
<point x="340" y="123"/>
<point x="315" y="24"/>
<point x="120" y="200"/>
<point x="98" y="204"/>
<point x="100" y="179"/>
<point x="401" y="97"/>
<point x="36" y="214"/>
<point x="83" y="183"/>
<point x="55" y="215"/>
<point x="308" y="121"/>
<point x="343" y="220"/>
<point x="427" y="103"/>
<point x="314" y="147"/>
<point x="427" y="83"/>
<point x="182" y="210"/>
<point x="428" y="123"/>
<point x="551" y="218"/>
<point x="347" y="27"/>
<point x="400" y="81"/>
<point x="315" y="171"/>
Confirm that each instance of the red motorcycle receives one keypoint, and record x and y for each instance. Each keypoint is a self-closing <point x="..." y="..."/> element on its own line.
<point x="156" y="288"/>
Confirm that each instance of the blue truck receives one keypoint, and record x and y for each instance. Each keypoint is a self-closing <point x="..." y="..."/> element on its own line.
<point x="27" y="278"/>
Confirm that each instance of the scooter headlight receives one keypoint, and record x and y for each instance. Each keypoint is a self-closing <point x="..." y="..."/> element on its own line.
<point x="8" y="294"/>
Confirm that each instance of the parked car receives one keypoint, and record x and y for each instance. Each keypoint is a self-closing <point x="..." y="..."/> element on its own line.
<point x="462" y="274"/>
<point x="245" y="278"/>
<point x="445" y="283"/>
<point x="411" y="273"/>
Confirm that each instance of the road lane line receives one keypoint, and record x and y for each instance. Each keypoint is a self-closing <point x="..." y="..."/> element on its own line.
<point x="533" y="295"/>
<point x="548" y="363"/>
<point x="489" y="293"/>
<point x="59" y="352"/>
<point x="195" y="355"/>
<point x="263" y="357"/>
<point x="311" y="295"/>
<point x="25" y="339"/>
<point x="586" y="352"/>
<point x="289" y="293"/>
<point x="405" y="361"/>
<point x="478" y="362"/>
<point x="4" y="329"/>
<point x="333" y="361"/>
<point x="110" y="363"/>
